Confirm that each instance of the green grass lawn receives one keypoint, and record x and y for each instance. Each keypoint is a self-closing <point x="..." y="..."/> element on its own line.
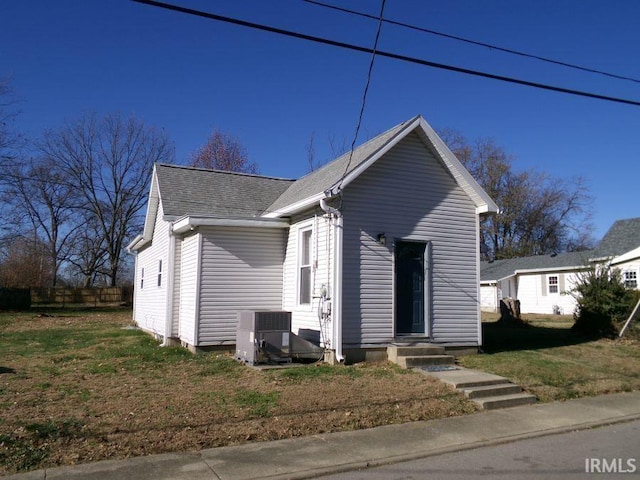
<point x="549" y="360"/>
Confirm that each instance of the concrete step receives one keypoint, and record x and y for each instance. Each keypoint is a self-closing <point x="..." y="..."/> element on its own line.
<point x="425" y="360"/>
<point x="463" y="378"/>
<point x="396" y="351"/>
<point x="505" y="401"/>
<point x="492" y="390"/>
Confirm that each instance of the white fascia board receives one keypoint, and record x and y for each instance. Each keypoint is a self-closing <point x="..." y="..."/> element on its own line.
<point x="499" y="279"/>
<point x="599" y="259"/>
<point x="296" y="207"/>
<point x="134" y="245"/>
<point x="630" y="255"/>
<point x="189" y="223"/>
<point x="552" y="270"/>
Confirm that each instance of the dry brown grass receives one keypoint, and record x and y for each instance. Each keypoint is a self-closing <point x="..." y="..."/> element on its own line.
<point x="83" y="387"/>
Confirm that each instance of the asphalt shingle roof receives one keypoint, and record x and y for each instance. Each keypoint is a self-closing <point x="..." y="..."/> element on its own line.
<point x="330" y="174"/>
<point x="499" y="269"/>
<point x="622" y="237"/>
<point x="195" y="191"/>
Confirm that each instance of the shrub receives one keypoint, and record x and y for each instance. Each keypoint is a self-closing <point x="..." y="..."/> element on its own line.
<point x="603" y="302"/>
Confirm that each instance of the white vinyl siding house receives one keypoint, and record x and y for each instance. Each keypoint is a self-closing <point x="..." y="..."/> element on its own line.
<point x="306" y="321"/>
<point x="150" y="303"/>
<point x="241" y="269"/>
<point x="189" y="309"/>
<point x="422" y="203"/>
<point x="547" y="292"/>
<point x="543" y="283"/>
<point x="365" y="251"/>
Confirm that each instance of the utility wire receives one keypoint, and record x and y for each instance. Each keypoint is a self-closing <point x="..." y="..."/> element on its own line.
<point x="381" y="53"/>
<point x="364" y="95"/>
<point x="474" y="42"/>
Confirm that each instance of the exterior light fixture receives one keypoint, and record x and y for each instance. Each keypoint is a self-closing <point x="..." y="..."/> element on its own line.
<point x="382" y="238"/>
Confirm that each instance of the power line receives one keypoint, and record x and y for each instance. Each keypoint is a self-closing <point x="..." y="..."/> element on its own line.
<point x="366" y="89"/>
<point x="381" y="53"/>
<point x="475" y="42"/>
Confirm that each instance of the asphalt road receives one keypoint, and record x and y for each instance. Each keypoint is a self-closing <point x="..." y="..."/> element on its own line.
<point x="605" y="452"/>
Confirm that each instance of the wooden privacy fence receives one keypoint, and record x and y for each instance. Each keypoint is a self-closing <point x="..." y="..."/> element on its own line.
<point x="83" y="296"/>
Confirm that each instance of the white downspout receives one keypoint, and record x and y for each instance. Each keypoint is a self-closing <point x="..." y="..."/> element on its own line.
<point x="168" y="323"/>
<point x="336" y="310"/>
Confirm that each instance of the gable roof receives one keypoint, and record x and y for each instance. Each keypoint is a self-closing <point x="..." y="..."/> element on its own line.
<point x="622" y="237"/>
<point x="214" y="195"/>
<point x="195" y="191"/>
<point x="341" y="171"/>
<point x="500" y="269"/>
<point x="327" y="176"/>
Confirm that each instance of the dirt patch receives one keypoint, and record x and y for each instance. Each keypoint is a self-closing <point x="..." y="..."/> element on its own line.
<point x="83" y="387"/>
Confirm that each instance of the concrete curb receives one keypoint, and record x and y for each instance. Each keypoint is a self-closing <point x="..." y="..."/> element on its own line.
<point x="308" y="457"/>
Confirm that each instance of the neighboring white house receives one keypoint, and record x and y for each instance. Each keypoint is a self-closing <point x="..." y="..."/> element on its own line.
<point x="371" y="249"/>
<point x="541" y="282"/>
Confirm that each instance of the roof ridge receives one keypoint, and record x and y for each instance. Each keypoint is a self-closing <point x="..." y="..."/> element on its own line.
<point x="227" y="172"/>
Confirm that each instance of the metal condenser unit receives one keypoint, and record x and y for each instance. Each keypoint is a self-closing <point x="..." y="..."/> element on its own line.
<point x="263" y="336"/>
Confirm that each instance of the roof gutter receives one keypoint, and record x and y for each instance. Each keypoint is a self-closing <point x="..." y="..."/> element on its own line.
<point x="336" y="311"/>
<point x="189" y="223"/>
<point x="135" y="244"/>
<point x="551" y="269"/>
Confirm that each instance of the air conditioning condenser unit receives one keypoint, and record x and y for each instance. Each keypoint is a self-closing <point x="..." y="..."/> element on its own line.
<point x="263" y="336"/>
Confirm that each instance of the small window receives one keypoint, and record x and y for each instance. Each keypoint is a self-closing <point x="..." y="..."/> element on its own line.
<point x="631" y="279"/>
<point x="142" y="279"/>
<point x="159" y="273"/>
<point x="304" y="262"/>
<point x="553" y="283"/>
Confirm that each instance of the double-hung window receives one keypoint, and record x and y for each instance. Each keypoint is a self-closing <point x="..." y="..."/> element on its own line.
<point x="159" y="273"/>
<point x="631" y="279"/>
<point x="553" y="283"/>
<point x="304" y="265"/>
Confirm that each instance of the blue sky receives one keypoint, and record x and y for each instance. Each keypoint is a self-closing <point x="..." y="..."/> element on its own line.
<point x="189" y="75"/>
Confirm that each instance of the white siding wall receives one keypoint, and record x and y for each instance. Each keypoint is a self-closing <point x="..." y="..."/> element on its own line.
<point x="189" y="278"/>
<point x="630" y="266"/>
<point x="241" y="270"/>
<point x="535" y="298"/>
<point x="305" y="321"/>
<point x="489" y="298"/>
<point x="151" y="299"/>
<point x="175" y="326"/>
<point x="409" y="195"/>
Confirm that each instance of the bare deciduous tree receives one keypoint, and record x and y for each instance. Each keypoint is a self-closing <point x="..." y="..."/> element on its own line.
<point x="223" y="152"/>
<point x="538" y="214"/>
<point x="10" y="141"/>
<point x="40" y="196"/>
<point x="108" y="161"/>
<point x="24" y="263"/>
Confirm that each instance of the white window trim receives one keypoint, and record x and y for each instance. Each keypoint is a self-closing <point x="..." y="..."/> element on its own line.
<point x="549" y="285"/>
<point x="302" y="228"/>
<point x="635" y="279"/>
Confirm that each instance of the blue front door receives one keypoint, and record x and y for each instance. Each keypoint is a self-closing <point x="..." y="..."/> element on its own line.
<point x="410" y="288"/>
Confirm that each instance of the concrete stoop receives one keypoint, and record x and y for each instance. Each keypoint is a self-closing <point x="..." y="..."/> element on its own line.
<point x="487" y="390"/>
<point x="420" y="355"/>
